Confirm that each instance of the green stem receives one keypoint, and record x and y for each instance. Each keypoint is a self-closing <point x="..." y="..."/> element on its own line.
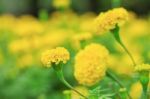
<point x="58" y="70"/>
<point x="67" y="94"/>
<point x="116" y="35"/>
<point x="144" y="79"/>
<point x="109" y="74"/>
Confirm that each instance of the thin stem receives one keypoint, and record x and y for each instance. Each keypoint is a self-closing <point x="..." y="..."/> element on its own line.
<point x="109" y="74"/>
<point x="61" y="77"/>
<point x="144" y="79"/>
<point x="116" y="35"/>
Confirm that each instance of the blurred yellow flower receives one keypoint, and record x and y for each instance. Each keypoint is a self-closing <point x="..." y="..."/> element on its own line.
<point x="108" y="20"/>
<point x="20" y="45"/>
<point x="80" y="89"/>
<point x="90" y="64"/>
<point x="78" y="38"/>
<point x="56" y="56"/>
<point x="142" y="67"/>
<point x="54" y="38"/>
<point x="28" y="26"/>
<point x="121" y="67"/>
<point x="61" y="3"/>
<point x="25" y="61"/>
<point x="136" y="90"/>
<point x="7" y="22"/>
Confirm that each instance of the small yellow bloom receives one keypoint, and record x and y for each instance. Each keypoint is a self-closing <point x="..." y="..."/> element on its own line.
<point x="108" y="20"/>
<point x="90" y="64"/>
<point x="78" y="38"/>
<point x="61" y="3"/>
<point x="142" y="67"/>
<point x="136" y="90"/>
<point x="56" y="56"/>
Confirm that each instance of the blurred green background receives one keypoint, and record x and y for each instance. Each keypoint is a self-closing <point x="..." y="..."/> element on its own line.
<point x="19" y="7"/>
<point x="41" y="83"/>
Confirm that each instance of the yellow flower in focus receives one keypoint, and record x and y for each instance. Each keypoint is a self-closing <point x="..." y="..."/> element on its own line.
<point x="142" y="67"/>
<point x="61" y="3"/>
<point x="56" y="56"/>
<point x="82" y="90"/>
<point x="108" y="20"/>
<point x="136" y="90"/>
<point x="90" y="64"/>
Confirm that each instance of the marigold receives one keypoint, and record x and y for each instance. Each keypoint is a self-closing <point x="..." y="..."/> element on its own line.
<point x="108" y="20"/>
<point x="56" y="56"/>
<point x="90" y="64"/>
<point x="142" y="67"/>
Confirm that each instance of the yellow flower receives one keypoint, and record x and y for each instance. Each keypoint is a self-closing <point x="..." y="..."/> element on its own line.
<point x="108" y="20"/>
<point x="82" y="90"/>
<point x="25" y="61"/>
<point x="78" y="38"/>
<point x="19" y="45"/>
<point x="56" y="56"/>
<point x="142" y="67"/>
<point x="90" y="64"/>
<point x="61" y="3"/>
<point x="136" y="90"/>
<point x="28" y="26"/>
<point x="7" y="21"/>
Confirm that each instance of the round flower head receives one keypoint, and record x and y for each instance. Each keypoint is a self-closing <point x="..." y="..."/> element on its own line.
<point x="56" y="56"/>
<point x="108" y="20"/>
<point x="90" y="64"/>
<point x="142" y="67"/>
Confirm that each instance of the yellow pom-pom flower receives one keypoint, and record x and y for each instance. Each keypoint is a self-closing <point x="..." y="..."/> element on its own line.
<point x="142" y="67"/>
<point x="56" y="56"/>
<point x="90" y="64"/>
<point x="108" y="20"/>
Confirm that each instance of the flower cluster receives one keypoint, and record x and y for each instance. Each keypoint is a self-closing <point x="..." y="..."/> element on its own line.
<point x="108" y="20"/>
<point x="56" y="56"/>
